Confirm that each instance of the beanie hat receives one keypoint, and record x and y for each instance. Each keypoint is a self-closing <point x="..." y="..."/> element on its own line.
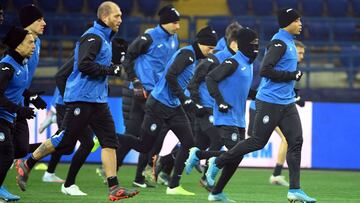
<point x="14" y="37"/>
<point x="286" y="16"/>
<point x="245" y="36"/>
<point x="29" y="14"/>
<point x="206" y="36"/>
<point x="168" y="14"/>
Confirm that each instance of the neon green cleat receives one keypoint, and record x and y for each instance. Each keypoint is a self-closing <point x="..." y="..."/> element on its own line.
<point x="96" y="144"/>
<point x="178" y="191"/>
<point x="41" y="167"/>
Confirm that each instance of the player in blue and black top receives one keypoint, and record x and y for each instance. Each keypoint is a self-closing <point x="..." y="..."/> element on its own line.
<point x="275" y="105"/>
<point x="13" y="80"/>
<point x="86" y="95"/>
<point x="223" y="42"/>
<point x="206" y="134"/>
<point x="166" y="103"/>
<point x="149" y="53"/>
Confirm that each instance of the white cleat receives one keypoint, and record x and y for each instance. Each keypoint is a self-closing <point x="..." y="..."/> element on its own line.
<point x="51" y="178"/>
<point x="73" y="190"/>
<point x="278" y="180"/>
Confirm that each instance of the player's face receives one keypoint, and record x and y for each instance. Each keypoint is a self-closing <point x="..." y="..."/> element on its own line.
<point x="206" y="50"/>
<point x="295" y="27"/>
<point x="38" y="26"/>
<point x="172" y="27"/>
<point x="27" y="46"/>
<point x="114" y="19"/>
<point x="300" y="53"/>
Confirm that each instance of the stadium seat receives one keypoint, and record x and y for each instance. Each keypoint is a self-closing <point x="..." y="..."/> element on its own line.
<point x="4" y="3"/>
<point x="94" y="4"/>
<point x="355" y="5"/>
<point x="317" y="30"/>
<point x="337" y="8"/>
<point x="312" y="7"/>
<point x="73" y="5"/>
<point x="287" y="4"/>
<point x="126" y="6"/>
<point x="130" y="28"/>
<point x="345" y="31"/>
<point x="48" y="6"/>
<point x="238" y="8"/>
<point x="219" y="24"/>
<point x="54" y="26"/>
<point x="149" y="7"/>
<point x="267" y="29"/>
<point x="262" y="7"/>
<point x="350" y="59"/>
<point x="20" y="3"/>
<point x="249" y="22"/>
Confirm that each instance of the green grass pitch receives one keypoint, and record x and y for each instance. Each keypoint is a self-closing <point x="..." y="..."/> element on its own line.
<point x="247" y="186"/>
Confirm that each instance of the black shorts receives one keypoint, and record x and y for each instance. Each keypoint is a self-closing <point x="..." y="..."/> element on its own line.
<point x="79" y="117"/>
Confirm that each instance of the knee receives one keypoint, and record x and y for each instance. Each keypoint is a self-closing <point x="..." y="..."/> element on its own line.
<point x="6" y="157"/>
<point x="257" y="143"/>
<point x="295" y="142"/>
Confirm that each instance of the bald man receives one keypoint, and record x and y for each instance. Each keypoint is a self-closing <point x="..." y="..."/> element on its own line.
<point x="86" y="94"/>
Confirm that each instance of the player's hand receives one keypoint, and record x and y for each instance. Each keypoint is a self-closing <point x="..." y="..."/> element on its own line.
<point x="34" y="98"/>
<point x="115" y="70"/>
<point x="26" y="112"/>
<point x="224" y="107"/>
<point x="139" y="91"/>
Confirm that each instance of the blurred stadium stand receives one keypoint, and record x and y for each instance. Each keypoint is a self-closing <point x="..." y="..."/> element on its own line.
<point x="331" y="32"/>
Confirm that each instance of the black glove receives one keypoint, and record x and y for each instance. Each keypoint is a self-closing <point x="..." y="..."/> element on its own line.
<point x="139" y="90"/>
<point x="224" y="107"/>
<point x="298" y="100"/>
<point x="115" y="70"/>
<point x="296" y="75"/>
<point x="34" y="98"/>
<point x="26" y="112"/>
<point x="200" y="111"/>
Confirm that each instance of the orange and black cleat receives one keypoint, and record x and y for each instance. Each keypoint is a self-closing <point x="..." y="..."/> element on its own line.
<point x="23" y="172"/>
<point x="116" y="193"/>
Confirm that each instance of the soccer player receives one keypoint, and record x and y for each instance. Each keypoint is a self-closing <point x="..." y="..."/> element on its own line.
<point x="13" y="79"/>
<point x="88" y="105"/>
<point x="275" y="105"/>
<point x="149" y="53"/>
<point x="206" y="134"/>
<point x="229" y="84"/>
<point x="223" y="42"/>
<point x="166" y="103"/>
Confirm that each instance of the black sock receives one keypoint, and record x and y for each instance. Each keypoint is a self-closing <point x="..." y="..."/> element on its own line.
<point x="54" y="160"/>
<point x="226" y="174"/>
<point x="112" y="181"/>
<point x="180" y="159"/>
<point x="142" y="162"/>
<point x="30" y="162"/>
<point x="277" y="170"/>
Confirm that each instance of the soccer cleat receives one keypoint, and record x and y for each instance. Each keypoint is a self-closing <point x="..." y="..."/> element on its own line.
<point x="116" y="193"/>
<point x="205" y="185"/>
<point x="41" y="167"/>
<point x="101" y="172"/>
<point x="149" y="174"/>
<point x="7" y="196"/>
<point x="178" y="191"/>
<point x="144" y="184"/>
<point x="23" y="172"/>
<point x="96" y="144"/>
<point x="212" y="171"/>
<point x="221" y="197"/>
<point x="192" y="160"/>
<point x="278" y="180"/>
<point x="73" y="190"/>
<point x="163" y="179"/>
<point x="51" y="178"/>
<point x="298" y="195"/>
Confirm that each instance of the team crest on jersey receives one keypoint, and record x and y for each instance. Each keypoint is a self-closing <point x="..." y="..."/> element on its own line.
<point x="153" y="127"/>
<point x="2" y="137"/>
<point x="266" y="119"/>
<point x="234" y="137"/>
<point x="77" y="111"/>
<point x="211" y="119"/>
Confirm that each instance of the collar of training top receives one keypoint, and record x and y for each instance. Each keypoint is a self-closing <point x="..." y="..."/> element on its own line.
<point x="104" y="28"/>
<point x="17" y="57"/>
<point x="286" y="34"/>
<point x="198" y="53"/>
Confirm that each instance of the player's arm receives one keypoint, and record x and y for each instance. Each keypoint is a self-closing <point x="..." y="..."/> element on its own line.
<point x="201" y="71"/>
<point x="276" y="50"/>
<point x="182" y="60"/>
<point x="138" y="47"/>
<point x="6" y="73"/>
<point x="89" y="48"/>
<point x="227" y="68"/>
<point x="63" y="74"/>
